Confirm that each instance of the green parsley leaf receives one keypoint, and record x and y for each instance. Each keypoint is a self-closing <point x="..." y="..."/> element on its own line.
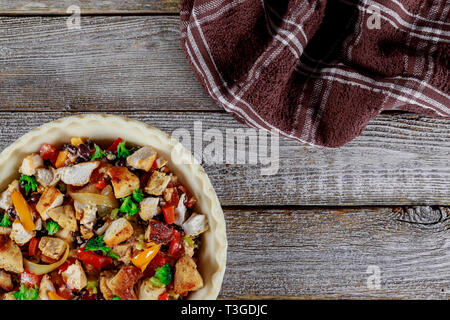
<point x="5" y="221"/>
<point x="29" y="183"/>
<point x="26" y="293"/>
<point x="129" y="207"/>
<point x="164" y="274"/>
<point x="117" y="298"/>
<point x="97" y="244"/>
<point x="98" y="153"/>
<point x="122" y="151"/>
<point x="52" y="227"/>
<point x="138" y="195"/>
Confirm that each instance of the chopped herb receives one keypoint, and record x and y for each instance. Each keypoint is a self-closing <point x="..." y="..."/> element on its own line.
<point x="29" y="183"/>
<point x="138" y="195"/>
<point x="122" y="151"/>
<point x="52" y="227"/>
<point x="26" y="293"/>
<point x="114" y="214"/>
<point x="117" y="298"/>
<point x="129" y="207"/>
<point x="5" y="221"/>
<point x="164" y="274"/>
<point x="99" y="153"/>
<point x="97" y="244"/>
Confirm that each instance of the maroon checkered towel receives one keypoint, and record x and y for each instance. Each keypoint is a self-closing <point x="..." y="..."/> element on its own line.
<point x="318" y="71"/>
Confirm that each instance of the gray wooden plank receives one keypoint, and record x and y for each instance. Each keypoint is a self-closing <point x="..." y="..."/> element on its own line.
<point x="399" y="159"/>
<point x="326" y="253"/>
<point x="90" y="7"/>
<point x="112" y="63"/>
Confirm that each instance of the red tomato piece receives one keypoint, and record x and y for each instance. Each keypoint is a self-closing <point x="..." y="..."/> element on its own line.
<point x="66" y="264"/>
<point x="33" y="247"/>
<point x="169" y="214"/>
<point x="95" y="260"/>
<point x="164" y="296"/>
<point x="175" y="245"/>
<point x="101" y="184"/>
<point x="113" y="147"/>
<point x="30" y="279"/>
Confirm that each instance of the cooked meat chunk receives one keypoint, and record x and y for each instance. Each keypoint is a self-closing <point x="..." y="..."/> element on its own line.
<point x="5" y="281"/>
<point x="30" y="164"/>
<point x="87" y="215"/>
<point x="19" y="234"/>
<point x="75" y="277"/>
<point x="187" y="278"/>
<point x="160" y="162"/>
<point x="157" y="183"/>
<point x="148" y="292"/>
<point x="45" y="287"/>
<point x="9" y="296"/>
<point x="180" y="211"/>
<point x="149" y="208"/>
<point x="79" y="174"/>
<point x="158" y="232"/>
<point x="66" y="235"/>
<point x="11" y="257"/>
<point x="5" y="231"/>
<point x="195" y="225"/>
<point x="105" y="277"/>
<point x="119" y="231"/>
<point x="64" y="216"/>
<point x="46" y="177"/>
<point x="122" y="285"/>
<point x="124" y="252"/>
<point x="142" y="159"/>
<point x="5" y="198"/>
<point x="52" y="247"/>
<point x="123" y="181"/>
<point x="51" y="198"/>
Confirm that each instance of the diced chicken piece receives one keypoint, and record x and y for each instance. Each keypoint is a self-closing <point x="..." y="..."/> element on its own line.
<point x="45" y="287"/>
<point x="123" y="252"/>
<point x="9" y="296"/>
<point x="5" y="281"/>
<point x="187" y="278"/>
<point x="5" y="198"/>
<point x="148" y="292"/>
<point x="75" y="277"/>
<point x="195" y="225"/>
<point x="52" y="247"/>
<point x="11" y="257"/>
<point x="122" y="285"/>
<point x="46" y="177"/>
<point x="119" y="231"/>
<point x="51" y="198"/>
<point x="5" y="231"/>
<point x="180" y="211"/>
<point x="105" y="277"/>
<point x="142" y="159"/>
<point x="79" y="174"/>
<point x="30" y="164"/>
<point x="87" y="215"/>
<point x="64" y="216"/>
<point x="19" y="234"/>
<point x="103" y="228"/>
<point x="123" y="181"/>
<point x="149" y="208"/>
<point x="65" y="235"/>
<point x="157" y="183"/>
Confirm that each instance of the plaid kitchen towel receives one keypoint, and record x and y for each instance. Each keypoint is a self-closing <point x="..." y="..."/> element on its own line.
<point x="318" y="71"/>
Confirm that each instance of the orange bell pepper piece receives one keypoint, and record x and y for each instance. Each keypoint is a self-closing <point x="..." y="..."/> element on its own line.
<point x="54" y="296"/>
<point x="143" y="258"/>
<point x="76" y="141"/>
<point x="61" y="160"/>
<point x="23" y="210"/>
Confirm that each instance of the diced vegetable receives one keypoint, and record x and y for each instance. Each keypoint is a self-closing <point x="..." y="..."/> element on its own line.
<point x="95" y="199"/>
<point x="30" y="279"/>
<point x="23" y="210"/>
<point x="61" y="160"/>
<point x="52" y="227"/>
<point x="97" y="244"/>
<point x="142" y="259"/>
<point x="5" y="222"/>
<point x="92" y="286"/>
<point x="101" y="184"/>
<point x="122" y="151"/>
<point x="115" y="214"/>
<point x="29" y="183"/>
<point x="98" y="153"/>
<point x="93" y="259"/>
<point x="169" y="214"/>
<point x="164" y="296"/>
<point x="26" y="293"/>
<point x="49" y="152"/>
<point x="54" y="296"/>
<point x="117" y="298"/>
<point x="138" y="195"/>
<point x="76" y="141"/>
<point x="41" y="269"/>
<point x="129" y="207"/>
<point x="164" y="274"/>
<point x="175" y="245"/>
<point x="33" y="247"/>
<point x="113" y="147"/>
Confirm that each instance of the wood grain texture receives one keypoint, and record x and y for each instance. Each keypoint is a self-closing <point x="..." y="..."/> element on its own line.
<point x="325" y="253"/>
<point x="398" y="160"/>
<point x="112" y="63"/>
<point x="19" y="7"/>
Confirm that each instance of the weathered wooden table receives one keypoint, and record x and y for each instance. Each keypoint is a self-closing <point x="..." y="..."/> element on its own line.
<point x="323" y="227"/>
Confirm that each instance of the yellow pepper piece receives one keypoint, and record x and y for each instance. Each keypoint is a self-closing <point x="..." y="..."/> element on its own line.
<point x="54" y="296"/>
<point x="76" y="141"/>
<point x="143" y="258"/>
<point x="61" y="160"/>
<point x="23" y="210"/>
